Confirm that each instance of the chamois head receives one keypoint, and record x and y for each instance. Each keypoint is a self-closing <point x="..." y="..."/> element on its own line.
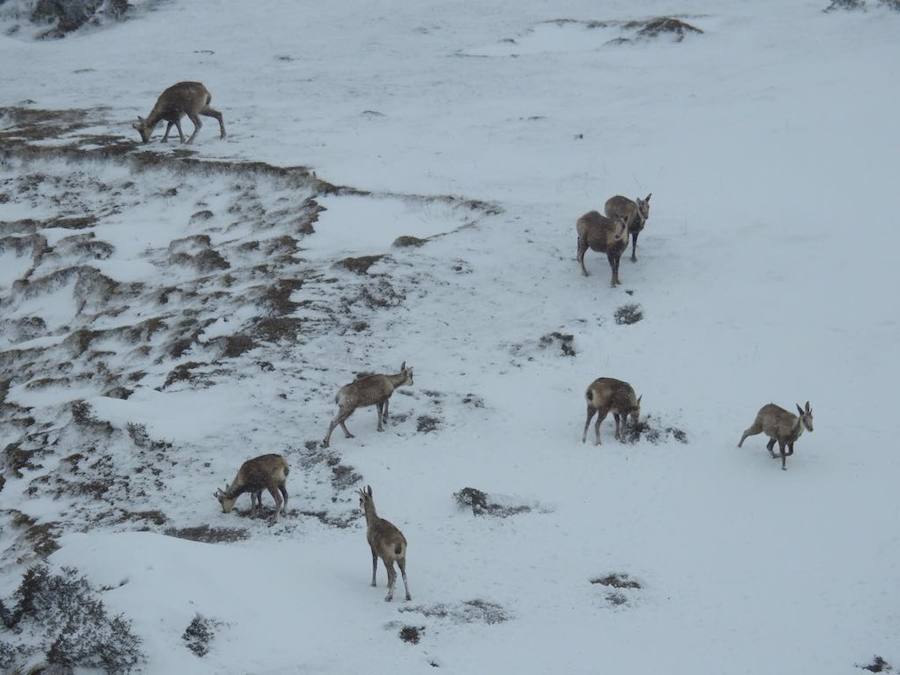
<point x="806" y="416"/>
<point x="635" y="411"/>
<point x="226" y="502"/>
<point x="365" y="499"/>
<point x="142" y="128"/>
<point x="407" y="373"/>
<point x="644" y="206"/>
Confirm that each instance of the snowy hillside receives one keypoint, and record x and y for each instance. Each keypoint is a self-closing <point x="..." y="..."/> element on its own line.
<point x="402" y="184"/>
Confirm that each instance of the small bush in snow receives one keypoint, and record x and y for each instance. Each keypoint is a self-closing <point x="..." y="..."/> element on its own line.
<point x="60" y="616"/>
<point x="199" y="633"/>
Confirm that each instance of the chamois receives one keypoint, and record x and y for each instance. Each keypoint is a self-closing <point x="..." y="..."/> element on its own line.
<point x="635" y="212"/>
<point x="185" y="98"/>
<point x="606" y="235"/>
<point x="781" y="426"/>
<point x="386" y="542"/>
<point x="266" y="472"/>
<point x="375" y="389"/>
<point x="605" y="394"/>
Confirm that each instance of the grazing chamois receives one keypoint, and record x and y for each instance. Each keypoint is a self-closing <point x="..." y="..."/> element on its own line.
<point x="781" y="426"/>
<point x="375" y="389"/>
<point x="606" y="235"/>
<point x="386" y="541"/>
<point x="635" y="213"/>
<point x="185" y="98"/>
<point x="266" y="472"/>
<point x="605" y="394"/>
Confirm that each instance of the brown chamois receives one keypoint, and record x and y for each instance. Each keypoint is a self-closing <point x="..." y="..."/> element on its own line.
<point x="781" y="426"/>
<point x="185" y="98"/>
<point x="266" y="472"/>
<point x="368" y="390"/>
<point x="605" y="394"/>
<point x="606" y="235"/>
<point x="635" y="213"/>
<point x="386" y="541"/>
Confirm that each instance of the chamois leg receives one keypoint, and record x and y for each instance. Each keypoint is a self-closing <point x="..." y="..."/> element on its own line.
<point x="756" y="428"/>
<point x="790" y="447"/>
<point x="582" y="249"/>
<point x="591" y="411"/>
<point x="342" y="415"/>
<point x="387" y="402"/>
<point x="283" y="491"/>
<point x="783" y="456"/>
<point x="634" y="236"/>
<point x="769" y="446"/>
<point x="210" y="112"/>
<point x="197" y="126"/>
<point x="168" y="129"/>
<point x="374" y="565"/>
<point x="379" y="408"/>
<point x="255" y="503"/>
<point x="279" y="502"/>
<point x="617" y="417"/>
<point x="392" y="577"/>
<point x="614" y="278"/>
<point x="601" y="415"/>
<point x="401" y="563"/>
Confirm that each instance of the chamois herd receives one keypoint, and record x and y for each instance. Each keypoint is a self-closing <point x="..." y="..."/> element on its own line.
<point x="609" y="233"/>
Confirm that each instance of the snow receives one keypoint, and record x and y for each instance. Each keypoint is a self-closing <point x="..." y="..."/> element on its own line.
<point x="766" y="273"/>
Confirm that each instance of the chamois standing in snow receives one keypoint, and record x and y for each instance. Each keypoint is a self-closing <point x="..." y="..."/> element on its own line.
<point x="635" y="213"/>
<point x="605" y="394"/>
<point x="781" y="426"/>
<point x="185" y="98"/>
<point x="266" y="472"/>
<point x="386" y="542"/>
<point x="368" y="390"/>
<point x="606" y="235"/>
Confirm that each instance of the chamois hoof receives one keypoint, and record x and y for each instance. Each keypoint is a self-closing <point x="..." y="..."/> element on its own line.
<point x="408" y="597"/>
<point x="388" y="598"/>
<point x="324" y="444"/>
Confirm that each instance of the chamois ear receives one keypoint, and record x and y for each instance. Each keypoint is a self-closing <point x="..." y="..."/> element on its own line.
<point x="403" y="366"/>
<point x="369" y="490"/>
<point x="647" y="198"/>
<point x="639" y="399"/>
<point x="799" y="409"/>
<point x="808" y="409"/>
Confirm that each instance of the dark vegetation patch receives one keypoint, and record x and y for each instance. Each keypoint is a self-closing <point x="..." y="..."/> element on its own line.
<point x="470" y="611"/>
<point x="407" y="241"/>
<point x="652" y="430"/>
<point x="616" y="599"/>
<point x="629" y="314"/>
<point x="199" y="633"/>
<point x="59" y="617"/>
<point x="67" y="16"/>
<point x="860" y="5"/>
<point x="427" y="423"/>
<point x="473" y="400"/>
<point x="565" y="341"/>
<point x="278" y="329"/>
<point x="662" y="25"/>
<point x="209" y="535"/>
<point x="481" y="504"/>
<point x="359" y="265"/>
<point x="878" y="665"/>
<point x="617" y="580"/>
<point x="412" y="634"/>
<point x="235" y="345"/>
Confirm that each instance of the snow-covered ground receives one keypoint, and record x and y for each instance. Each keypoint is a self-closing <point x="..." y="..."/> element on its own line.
<point x="766" y="273"/>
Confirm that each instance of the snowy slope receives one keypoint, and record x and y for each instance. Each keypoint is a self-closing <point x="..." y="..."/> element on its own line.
<point x="765" y="274"/>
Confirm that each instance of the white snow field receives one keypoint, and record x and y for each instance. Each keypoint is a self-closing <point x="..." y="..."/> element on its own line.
<point x="767" y="272"/>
